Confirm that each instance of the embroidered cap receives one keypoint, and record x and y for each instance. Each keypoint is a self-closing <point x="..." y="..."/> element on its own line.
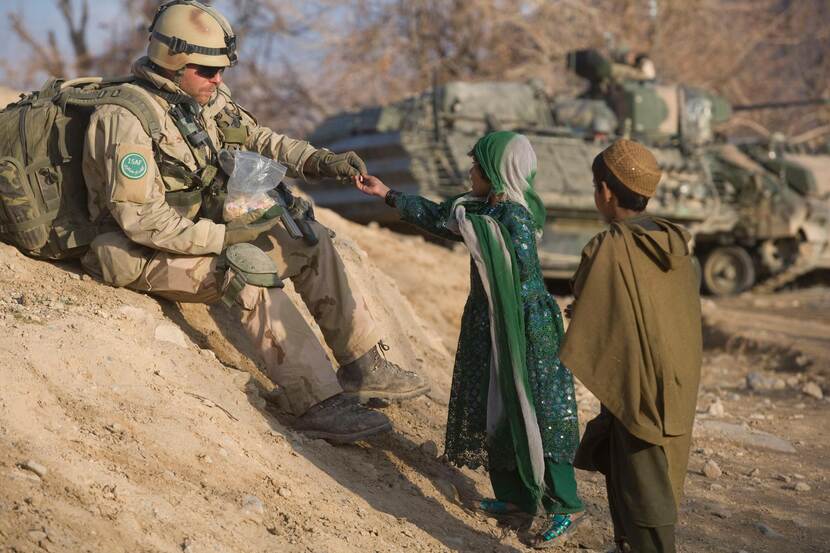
<point x="634" y="165"/>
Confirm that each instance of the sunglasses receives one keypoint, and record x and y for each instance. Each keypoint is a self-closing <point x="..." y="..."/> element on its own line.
<point x="205" y="71"/>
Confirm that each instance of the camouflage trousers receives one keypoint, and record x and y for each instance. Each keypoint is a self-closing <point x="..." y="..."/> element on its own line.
<point x="294" y="358"/>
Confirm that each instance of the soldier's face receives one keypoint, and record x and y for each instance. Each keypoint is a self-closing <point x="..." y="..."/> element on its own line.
<point x="200" y="81"/>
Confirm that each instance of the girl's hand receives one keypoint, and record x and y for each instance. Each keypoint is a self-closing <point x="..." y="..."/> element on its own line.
<point x="370" y="185"/>
<point x="569" y="310"/>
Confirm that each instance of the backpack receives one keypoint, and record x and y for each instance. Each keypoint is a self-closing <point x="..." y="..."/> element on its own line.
<point x="43" y="197"/>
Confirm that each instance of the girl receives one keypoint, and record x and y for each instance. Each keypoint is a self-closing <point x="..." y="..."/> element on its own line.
<point x="512" y="405"/>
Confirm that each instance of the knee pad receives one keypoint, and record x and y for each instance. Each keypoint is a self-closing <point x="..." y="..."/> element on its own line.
<point x="250" y="265"/>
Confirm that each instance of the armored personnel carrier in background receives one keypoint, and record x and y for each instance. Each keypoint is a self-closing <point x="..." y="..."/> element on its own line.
<point x="759" y="211"/>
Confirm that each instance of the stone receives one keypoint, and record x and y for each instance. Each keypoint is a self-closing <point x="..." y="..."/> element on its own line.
<point x="166" y="332"/>
<point x="448" y="489"/>
<point x="801" y="487"/>
<point x="813" y="390"/>
<point x="37" y="535"/>
<point x="35" y="467"/>
<point x="252" y="505"/>
<point x="284" y="492"/>
<point x="793" y="381"/>
<point x="766" y="530"/>
<point x="758" y="381"/>
<point x="779" y="384"/>
<point x="754" y="472"/>
<point x="721" y="512"/>
<point x="742" y="435"/>
<point x="716" y="409"/>
<point x="430" y="449"/>
<point x="711" y="470"/>
<point x="135" y="313"/>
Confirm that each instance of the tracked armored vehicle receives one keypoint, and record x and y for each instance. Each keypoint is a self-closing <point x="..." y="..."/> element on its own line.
<point x="759" y="212"/>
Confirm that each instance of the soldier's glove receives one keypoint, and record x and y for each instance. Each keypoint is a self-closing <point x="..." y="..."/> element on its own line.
<point x="248" y="227"/>
<point x="324" y="163"/>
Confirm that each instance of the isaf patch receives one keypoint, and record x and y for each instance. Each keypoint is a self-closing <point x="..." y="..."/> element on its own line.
<point x="134" y="173"/>
<point x="133" y="166"/>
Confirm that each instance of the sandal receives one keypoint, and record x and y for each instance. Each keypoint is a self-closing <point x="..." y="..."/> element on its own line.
<point x="497" y="507"/>
<point x="559" y="526"/>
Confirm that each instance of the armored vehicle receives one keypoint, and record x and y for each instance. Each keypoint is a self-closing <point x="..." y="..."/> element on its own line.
<point x="759" y="212"/>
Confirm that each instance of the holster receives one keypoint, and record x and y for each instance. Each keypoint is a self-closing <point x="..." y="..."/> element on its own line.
<point x="249" y="265"/>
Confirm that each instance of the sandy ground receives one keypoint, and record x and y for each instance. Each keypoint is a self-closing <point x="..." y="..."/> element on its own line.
<point x="129" y="424"/>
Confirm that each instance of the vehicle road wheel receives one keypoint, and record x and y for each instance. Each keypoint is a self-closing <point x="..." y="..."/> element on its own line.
<point x="727" y="271"/>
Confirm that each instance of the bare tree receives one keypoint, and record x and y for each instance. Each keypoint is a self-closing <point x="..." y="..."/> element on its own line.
<point x="303" y="60"/>
<point x="46" y="53"/>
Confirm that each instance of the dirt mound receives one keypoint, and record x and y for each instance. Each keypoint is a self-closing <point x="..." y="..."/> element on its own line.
<point x="129" y="424"/>
<point x="120" y="432"/>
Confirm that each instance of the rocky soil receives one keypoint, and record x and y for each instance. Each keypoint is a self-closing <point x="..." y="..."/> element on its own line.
<point x="130" y="424"/>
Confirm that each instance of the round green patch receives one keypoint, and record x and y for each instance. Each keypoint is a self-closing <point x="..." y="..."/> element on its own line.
<point x="133" y="166"/>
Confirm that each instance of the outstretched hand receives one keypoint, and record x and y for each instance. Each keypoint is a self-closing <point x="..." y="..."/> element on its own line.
<point x="370" y="185"/>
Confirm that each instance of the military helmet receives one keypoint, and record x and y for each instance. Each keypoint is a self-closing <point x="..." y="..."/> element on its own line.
<point x="187" y="31"/>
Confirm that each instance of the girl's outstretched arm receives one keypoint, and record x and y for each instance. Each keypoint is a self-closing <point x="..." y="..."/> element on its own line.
<point x="417" y="210"/>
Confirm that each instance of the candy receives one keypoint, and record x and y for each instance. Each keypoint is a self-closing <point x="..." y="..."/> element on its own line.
<point x="240" y="205"/>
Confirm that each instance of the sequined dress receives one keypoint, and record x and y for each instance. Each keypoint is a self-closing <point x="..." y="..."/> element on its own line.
<point x="551" y="382"/>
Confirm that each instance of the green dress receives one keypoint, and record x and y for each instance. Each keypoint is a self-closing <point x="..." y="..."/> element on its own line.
<point x="551" y="382"/>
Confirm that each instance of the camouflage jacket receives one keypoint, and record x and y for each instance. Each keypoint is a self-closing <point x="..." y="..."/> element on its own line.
<point x="132" y="182"/>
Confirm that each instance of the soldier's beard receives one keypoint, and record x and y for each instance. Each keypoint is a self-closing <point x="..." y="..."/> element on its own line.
<point x="203" y="94"/>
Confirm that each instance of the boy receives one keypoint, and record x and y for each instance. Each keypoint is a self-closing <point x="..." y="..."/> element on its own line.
<point x="635" y="342"/>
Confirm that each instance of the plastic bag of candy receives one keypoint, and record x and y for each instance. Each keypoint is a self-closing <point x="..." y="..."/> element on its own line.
<point x="251" y="178"/>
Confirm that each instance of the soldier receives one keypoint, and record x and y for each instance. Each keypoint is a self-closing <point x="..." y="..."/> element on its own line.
<point x="157" y="201"/>
<point x="632" y="67"/>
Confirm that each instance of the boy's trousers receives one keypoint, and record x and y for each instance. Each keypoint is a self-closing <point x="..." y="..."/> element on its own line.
<point x="640" y="494"/>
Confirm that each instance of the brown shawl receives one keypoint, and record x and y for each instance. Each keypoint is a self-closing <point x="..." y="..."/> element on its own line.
<point x="635" y="336"/>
